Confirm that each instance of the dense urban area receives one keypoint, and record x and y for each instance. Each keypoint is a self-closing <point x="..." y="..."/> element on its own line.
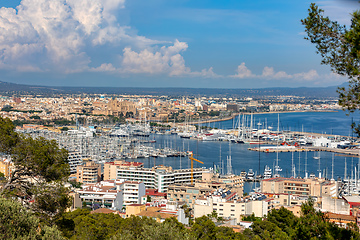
<point x="85" y="149"/>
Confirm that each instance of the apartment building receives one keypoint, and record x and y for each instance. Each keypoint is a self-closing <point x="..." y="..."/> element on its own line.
<point x="75" y="159"/>
<point x="112" y="194"/>
<point x="110" y="168"/>
<point x="186" y="194"/>
<point x="230" y="209"/>
<point x="103" y="194"/>
<point x="6" y="166"/>
<point x="132" y="192"/>
<point x="296" y="186"/>
<point x="159" y="177"/>
<point x="90" y="172"/>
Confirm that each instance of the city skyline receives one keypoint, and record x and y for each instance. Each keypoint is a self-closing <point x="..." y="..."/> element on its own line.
<point x="210" y="44"/>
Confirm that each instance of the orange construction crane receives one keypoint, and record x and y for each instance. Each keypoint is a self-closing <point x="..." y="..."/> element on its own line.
<point x="192" y="167"/>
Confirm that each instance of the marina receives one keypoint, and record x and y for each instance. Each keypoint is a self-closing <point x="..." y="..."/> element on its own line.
<point x="245" y="158"/>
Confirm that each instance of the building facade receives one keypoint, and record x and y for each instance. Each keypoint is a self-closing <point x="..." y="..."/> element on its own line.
<point x="88" y="173"/>
<point x="159" y="177"/>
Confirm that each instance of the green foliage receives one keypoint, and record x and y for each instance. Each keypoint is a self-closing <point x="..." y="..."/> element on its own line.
<point x="279" y="224"/>
<point x="251" y="218"/>
<point x="75" y="184"/>
<point x="339" y="48"/>
<point x="41" y="157"/>
<point x="64" y="129"/>
<point x="8" y="137"/>
<point x="18" y="223"/>
<point x="214" y="113"/>
<point x="187" y="210"/>
<point x="129" y="115"/>
<point x="284" y="219"/>
<point x="41" y="169"/>
<point x="204" y="228"/>
<point x="6" y="108"/>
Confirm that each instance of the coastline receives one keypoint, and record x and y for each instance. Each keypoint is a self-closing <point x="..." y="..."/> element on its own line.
<point x="233" y="115"/>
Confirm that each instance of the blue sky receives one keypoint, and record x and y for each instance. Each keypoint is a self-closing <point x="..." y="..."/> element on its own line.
<point x="163" y="43"/>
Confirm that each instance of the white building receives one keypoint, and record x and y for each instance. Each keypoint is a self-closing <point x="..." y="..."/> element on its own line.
<point x="159" y="177"/>
<point x="112" y="194"/>
<point x="234" y="209"/>
<point x="75" y="159"/>
<point x="131" y="192"/>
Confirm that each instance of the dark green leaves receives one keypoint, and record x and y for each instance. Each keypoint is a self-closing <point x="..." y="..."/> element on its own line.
<point x="339" y="48"/>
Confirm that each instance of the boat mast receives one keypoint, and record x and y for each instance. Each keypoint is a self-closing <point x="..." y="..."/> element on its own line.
<point x="306" y="173"/>
<point x="277" y="150"/>
<point x="319" y="170"/>
<point x="299" y="166"/>
<point x="221" y="168"/>
<point x="332" y="167"/>
<point x="292" y="165"/>
<point x="229" y="167"/>
<point x="345" y="170"/>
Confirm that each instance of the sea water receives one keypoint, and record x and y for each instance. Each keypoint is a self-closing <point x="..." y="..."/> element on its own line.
<point x="216" y="152"/>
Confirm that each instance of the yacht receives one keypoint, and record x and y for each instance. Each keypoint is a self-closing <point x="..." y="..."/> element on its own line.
<point x="267" y="172"/>
<point x="250" y="175"/>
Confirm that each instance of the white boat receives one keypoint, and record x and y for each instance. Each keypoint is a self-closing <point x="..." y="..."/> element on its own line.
<point x="267" y="172"/>
<point x="250" y="175"/>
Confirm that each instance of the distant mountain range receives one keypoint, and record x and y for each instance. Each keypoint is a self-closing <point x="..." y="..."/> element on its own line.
<point x="319" y="92"/>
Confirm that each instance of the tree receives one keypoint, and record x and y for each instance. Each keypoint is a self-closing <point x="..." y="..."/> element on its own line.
<point x="8" y="137"/>
<point x="339" y="48"/>
<point x="40" y="170"/>
<point x="18" y="223"/>
<point x="204" y="228"/>
<point x="284" y="219"/>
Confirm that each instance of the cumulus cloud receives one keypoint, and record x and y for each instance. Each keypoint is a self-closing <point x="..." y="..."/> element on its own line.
<point x="59" y="35"/>
<point x="243" y="72"/>
<point x="42" y="35"/>
<point x="167" y="59"/>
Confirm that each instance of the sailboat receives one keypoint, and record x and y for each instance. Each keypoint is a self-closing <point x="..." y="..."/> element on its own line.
<point x="317" y="157"/>
<point x="277" y="167"/>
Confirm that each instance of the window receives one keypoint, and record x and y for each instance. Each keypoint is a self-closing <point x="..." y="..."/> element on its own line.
<point x="232" y="205"/>
<point x="232" y="210"/>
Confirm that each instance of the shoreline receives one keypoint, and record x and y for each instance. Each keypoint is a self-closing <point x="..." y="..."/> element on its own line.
<point x="233" y="115"/>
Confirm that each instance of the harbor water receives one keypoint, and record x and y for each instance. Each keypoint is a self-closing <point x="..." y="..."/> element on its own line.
<point x="216" y="152"/>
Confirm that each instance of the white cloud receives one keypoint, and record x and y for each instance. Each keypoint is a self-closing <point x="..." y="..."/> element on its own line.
<point x="105" y="67"/>
<point x="166" y="60"/>
<point x="243" y="72"/>
<point x="339" y="10"/>
<point x="59" y="35"/>
<point x="56" y="35"/>
<point x="269" y="73"/>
